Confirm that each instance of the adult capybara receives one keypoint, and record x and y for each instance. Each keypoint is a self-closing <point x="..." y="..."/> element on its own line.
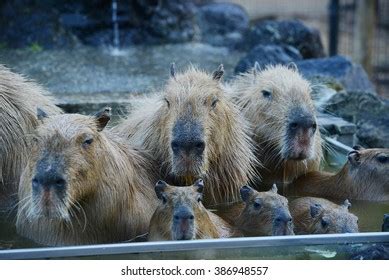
<point x="365" y="176"/>
<point x="194" y="131"/>
<point x="84" y="185"/>
<point x="182" y="216"/>
<point x="19" y="100"/>
<point x="261" y="214"/>
<point x="312" y="215"/>
<point x="279" y="108"/>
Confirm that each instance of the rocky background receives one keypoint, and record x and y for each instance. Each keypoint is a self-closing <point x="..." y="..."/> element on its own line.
<point x="40" y="25"/>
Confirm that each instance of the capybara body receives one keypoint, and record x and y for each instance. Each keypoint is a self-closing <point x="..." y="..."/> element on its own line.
<point x="260" y="214"/>
<point x="365" y="176"/>
<point x="312" y="215"/>
<point x="19" y="101"/>
<point x="279" y="108"/>
<point x="84" y="185"/>
<point x="182" y="216"/>
<point x="194" y="131"/>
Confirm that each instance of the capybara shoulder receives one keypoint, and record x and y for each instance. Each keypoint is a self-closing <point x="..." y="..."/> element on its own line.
<point x="84" y="184"/>
<point x="182" y="216"/>
<point x="313" y="215"/>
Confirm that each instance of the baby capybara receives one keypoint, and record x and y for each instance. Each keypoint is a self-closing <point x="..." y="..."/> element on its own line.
<point x="279" y="108"/>
<point x="194" y="131"/>
<point x="83" y="184"/>
<point x="261" y="214"/>
<point x="365" y="176"/>
<point x="19" y="100"/>
<point x="181" y="215"/>
<point x="313" y="215"/>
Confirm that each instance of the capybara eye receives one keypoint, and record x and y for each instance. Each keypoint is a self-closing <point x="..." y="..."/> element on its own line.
<point x="176" y="217"/>
<point x="383" y="158"/>
<point x="324" y="223"/>
<point x="266" y="93"/>
<point x="293" y="125"/>
<point x="314" y="127"/>
<point x="167" y="102"/>
<point x="213" y="105"/>
<point x="87" y="142"/>
<point x="257" y="205"/>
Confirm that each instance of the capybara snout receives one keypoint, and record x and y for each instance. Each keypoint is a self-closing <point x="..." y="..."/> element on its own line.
<point x="183" y="223"/>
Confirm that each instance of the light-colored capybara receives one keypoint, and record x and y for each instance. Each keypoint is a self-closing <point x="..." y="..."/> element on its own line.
<point x="181" y="215"/>
<point x="83" y="184"/>
<point x="365" y="176"/>
<point x="19" y="100"/>
<point x="194" y="131"/>
<point x="260" y="214"/>
<point x="279" y="108"/>
<point x="312" y="215"/>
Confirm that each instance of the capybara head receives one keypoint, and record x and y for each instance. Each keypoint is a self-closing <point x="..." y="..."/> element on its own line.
<point x="370" y="166"/>
<point x="278" y="104"/>
<point x="181" y="208"/>
<point x="265" y="213"/>
<point x="66" y="154"/>
<point x="333" y="219"/>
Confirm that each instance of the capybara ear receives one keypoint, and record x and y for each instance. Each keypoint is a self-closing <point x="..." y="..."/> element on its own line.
<point x="40" y="114"/>
<point x="315" y="210"/>
<point x="102" y="118"/>
<point x="358" y="148"/>
<point x="292" y="66"/>
<point x="160" y="187"/>
<point x="245" y="193"/>
<point x="274" y="188"/>
<point x="354" y="157"/>
<point x="173" y="70"/>
<point x="219" y="72"/>
<point x="256" y="68"/>
<point x="200" y="185"/>
<point x="346" y="204"/>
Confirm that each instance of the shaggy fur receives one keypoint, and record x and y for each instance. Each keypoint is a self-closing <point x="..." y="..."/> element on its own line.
<point x="206" y="224"/>
<point x="228" y="155"/>
<point x="19" y="100"/>
<point x="108" y="197"/>
<point x="313" y="215"/>
<point x="365" y="176"/>
<point x="268" y="117"/>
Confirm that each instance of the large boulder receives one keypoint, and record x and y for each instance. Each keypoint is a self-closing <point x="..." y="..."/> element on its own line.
<point x="268" y="55"/>
<point x="287" y="32"/>
<point x="222" y="24"/>
<point x="338" y="68"/>
<point x="368" y="111"/>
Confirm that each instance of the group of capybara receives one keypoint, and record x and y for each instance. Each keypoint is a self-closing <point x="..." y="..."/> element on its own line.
<point x="249" y="145"/>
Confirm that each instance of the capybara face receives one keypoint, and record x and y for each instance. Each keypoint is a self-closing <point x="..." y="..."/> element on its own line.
<point x="182" y="207"/>
<point x="278" y="103"/>
<point x="369" y="165"/>
<point x="64" y="157"/>
<point x="265" y="213"/>
<point x="333" y="219"/>
<point x="194" y="109"/>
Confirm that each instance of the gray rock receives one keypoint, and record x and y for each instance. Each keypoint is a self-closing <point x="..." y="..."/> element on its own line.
<point x="222" y="24"/>
<point x="268" y="55"/>
<point x="289" y="32"/>
<point x="339" y="68"/>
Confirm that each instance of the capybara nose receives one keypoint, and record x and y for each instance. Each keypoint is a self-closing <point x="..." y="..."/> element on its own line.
<point x="283" y="218"/>
<point x="183" y="213"/>
<point x="48" y="181"/>
<point x="195" y="145"/>
<point x="303" y="122"/>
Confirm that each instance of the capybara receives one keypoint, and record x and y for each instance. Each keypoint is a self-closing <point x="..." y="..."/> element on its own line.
<point x="385" y="224"/>
<point x="279" y="108"/>
<point x="194" y="131"/>
<point x="19" y="101"/>
<point x="312" y="215"/>
<point x="260" y="214"/>
<point x="365" y="176"/>
<point x="83" y="184"/>
<point x="181" y="215"/>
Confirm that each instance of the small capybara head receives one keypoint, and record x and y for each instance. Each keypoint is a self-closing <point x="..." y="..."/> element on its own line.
<point x="66" y="154"/>
<point x="337" y="219"/>
<point x="265" y="213"/>
<point x="370" y="166"/>
<point x="278" y="104"/>
<point x="181" y="208"/>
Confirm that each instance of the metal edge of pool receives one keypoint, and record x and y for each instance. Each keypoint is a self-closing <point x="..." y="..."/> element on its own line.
<point x="169" y="246"/>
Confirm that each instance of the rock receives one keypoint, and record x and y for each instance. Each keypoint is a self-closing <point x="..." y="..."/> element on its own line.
<point x="339" y="68"/>
<point x="222" y="24"/>
<point x="368" y="111"/>
<point x="287" y="32"/>
<point x="268" y="55"/>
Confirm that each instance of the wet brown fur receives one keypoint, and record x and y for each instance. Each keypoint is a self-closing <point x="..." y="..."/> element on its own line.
<point x="109" y="194"/>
